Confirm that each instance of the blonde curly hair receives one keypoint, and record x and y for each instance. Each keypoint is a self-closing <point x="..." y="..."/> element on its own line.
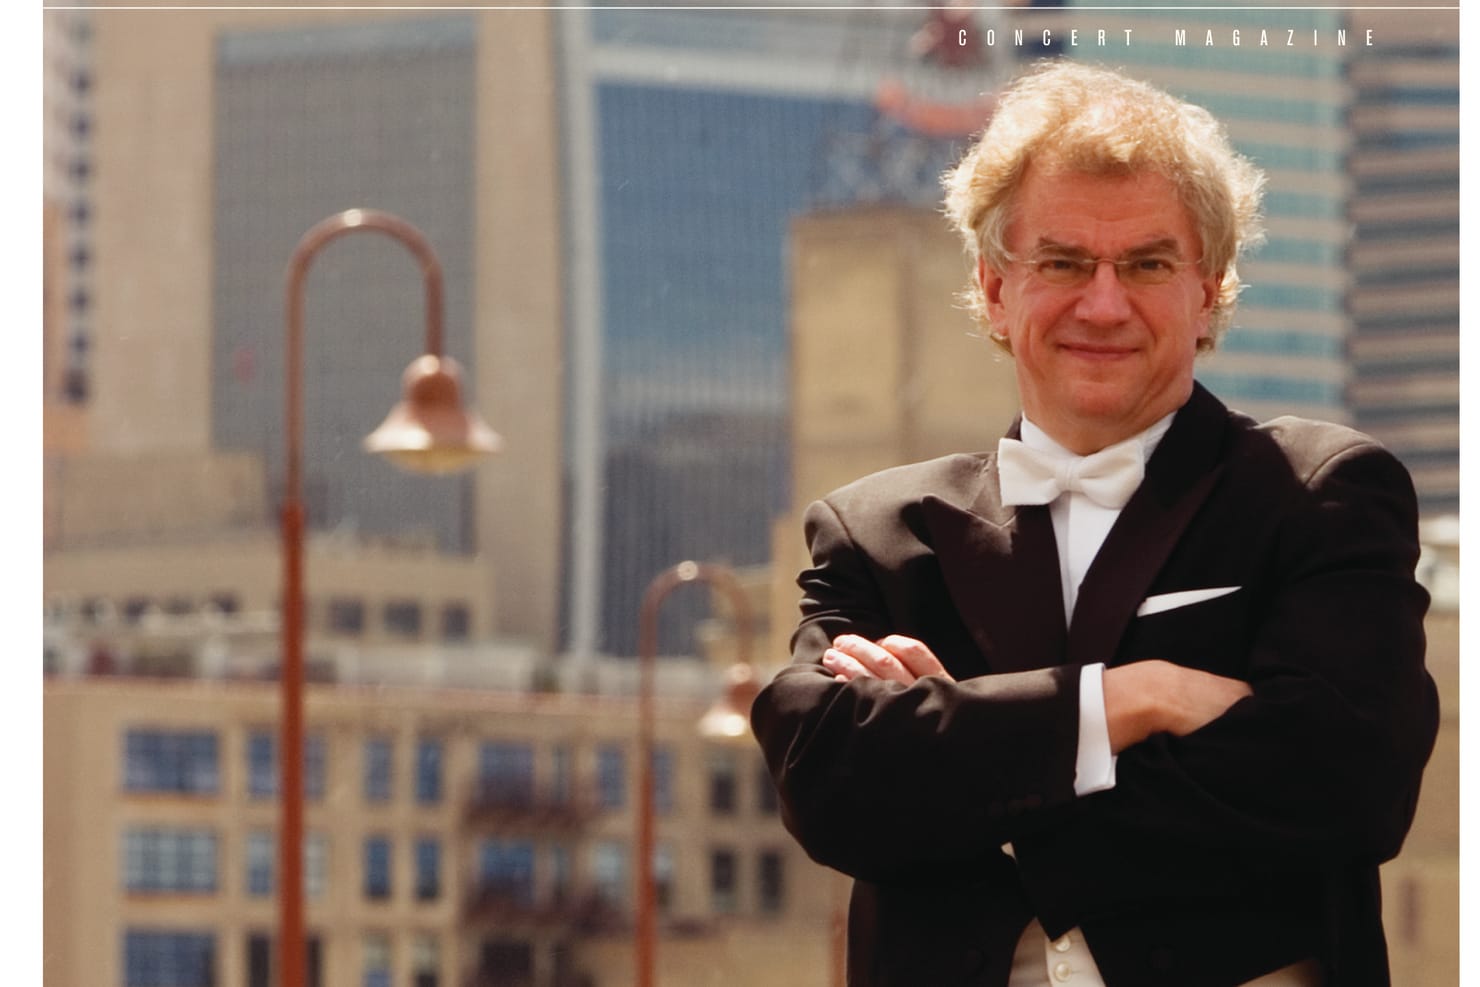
<point x="1093" y="120"/>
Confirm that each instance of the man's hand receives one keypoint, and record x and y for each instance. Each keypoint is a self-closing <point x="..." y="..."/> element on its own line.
<point x="895" y="658"/>
<point x="1147" y="697"/>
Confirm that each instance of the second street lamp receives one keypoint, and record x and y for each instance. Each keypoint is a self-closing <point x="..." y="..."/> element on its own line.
<point x="428" y="431"/>
<point x="719" y="722"/>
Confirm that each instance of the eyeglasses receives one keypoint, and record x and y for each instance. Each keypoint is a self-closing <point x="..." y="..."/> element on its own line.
<point x="1070" y="270"/>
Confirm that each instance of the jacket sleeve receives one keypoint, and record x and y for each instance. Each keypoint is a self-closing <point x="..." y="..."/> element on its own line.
<point x="1321" y="765"/>
<point x="887" y="782"/>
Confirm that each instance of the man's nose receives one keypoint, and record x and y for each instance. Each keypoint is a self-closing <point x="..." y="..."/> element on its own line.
<point x="1104" y="299"/>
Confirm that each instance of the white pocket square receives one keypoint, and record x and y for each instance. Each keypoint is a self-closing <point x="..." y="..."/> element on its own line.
<point x="1171" y="601"/>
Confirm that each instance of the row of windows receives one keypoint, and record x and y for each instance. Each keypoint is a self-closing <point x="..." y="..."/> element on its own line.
<point x="609" y="865"/>
<point x="187" y="762"/>
<point x="402" y="618"/>
<point x="185" y="860"/>
<point x="398" y="618"/>
<point x="187" y="958"/>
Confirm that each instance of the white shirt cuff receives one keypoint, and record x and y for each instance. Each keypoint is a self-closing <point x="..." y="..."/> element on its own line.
<point x="1094" y="765"/>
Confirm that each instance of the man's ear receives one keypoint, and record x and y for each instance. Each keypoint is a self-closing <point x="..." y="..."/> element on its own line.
<point x="991" y="282"/>
<point x="1211" y="287"/>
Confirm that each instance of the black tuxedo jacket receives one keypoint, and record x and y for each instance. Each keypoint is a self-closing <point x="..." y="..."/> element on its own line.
<point x="1218" y="856"/>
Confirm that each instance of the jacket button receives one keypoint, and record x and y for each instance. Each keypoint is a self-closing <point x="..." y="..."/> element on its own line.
<point x="1163" y="959"/>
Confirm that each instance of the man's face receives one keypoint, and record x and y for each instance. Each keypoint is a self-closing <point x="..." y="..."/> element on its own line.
<point x="1101" y="360"/>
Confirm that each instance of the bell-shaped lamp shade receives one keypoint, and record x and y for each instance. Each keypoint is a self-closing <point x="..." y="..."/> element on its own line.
<point x="429" y="430"/>
<point x="728" y="720"/>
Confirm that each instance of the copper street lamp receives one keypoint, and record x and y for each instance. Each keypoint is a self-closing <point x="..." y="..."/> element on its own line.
<point x="727" y="720"/>
<point x="428" y="431"/>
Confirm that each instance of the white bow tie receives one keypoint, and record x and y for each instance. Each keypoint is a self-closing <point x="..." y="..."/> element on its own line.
<point x="1033" y="476"/>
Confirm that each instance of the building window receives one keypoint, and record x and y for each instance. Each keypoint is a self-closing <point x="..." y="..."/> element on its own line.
<point x="506" y="774"/>
<point x="262" y="960"/>
<point x="609" y="872"/>
<point x="722" y="896"/>
<point x="560" y="775"/>
<point x="262" y="765"/>
<point x="166" y="761"/>
<point x="611" y="777"/>
<point x="261" y="849"/>
<point x="428" y="869"/>
<point x="377" y="868"/>
<point x="162" y="958"/>
<point x="403" y="618"/>
<point x="378" y="769"/>
<point x="377" y="953"/>
<point x="560" y="875"/>
<point x="428" y="771"/>
<point x="425" y="960"/>
<point x="259" y="959"/>
<point x="457" y="622"/>
<point x="346" y="616"/>
<point x="262" y="863"/>
<point x="226" y="604"/>
<point x="315" y="864"/>
<point x="505" y="961"/>
<point x="767" y="801"/>
<point x="169" y="860"/>
<point x="506" y="870"/>
<point x="663" y="868"/>
<point x="722" y="782"/>
<point x="315" y="766"/>
<point x="662" y="779"/>
<point x="771" y="881"/>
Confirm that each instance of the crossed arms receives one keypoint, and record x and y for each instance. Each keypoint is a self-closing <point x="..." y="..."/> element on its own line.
<point x="893" y="767"/>
<point x="1142" y="698"/>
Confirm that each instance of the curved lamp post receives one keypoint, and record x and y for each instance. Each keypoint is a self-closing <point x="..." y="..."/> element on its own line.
<point x="728" y="719"/>
<point x="428" y="431"/>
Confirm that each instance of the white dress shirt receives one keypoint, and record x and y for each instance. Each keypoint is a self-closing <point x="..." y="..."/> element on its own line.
<point x="1079" y="529"/>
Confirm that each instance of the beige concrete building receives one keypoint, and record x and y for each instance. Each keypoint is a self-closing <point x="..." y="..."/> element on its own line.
<point x="454" y="838"/>
<point x="886" y="367"/>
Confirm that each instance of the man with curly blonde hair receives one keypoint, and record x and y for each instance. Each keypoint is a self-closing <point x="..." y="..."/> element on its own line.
<point x="1137" y="698"/>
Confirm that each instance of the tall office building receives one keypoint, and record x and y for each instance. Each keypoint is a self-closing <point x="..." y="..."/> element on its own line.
<point x="309" y="120"/>
<point x="693" y="139"/>
<point x="1352" y="311"/>
<point x="68" y="205"/>
<point x="1404" y="258"/>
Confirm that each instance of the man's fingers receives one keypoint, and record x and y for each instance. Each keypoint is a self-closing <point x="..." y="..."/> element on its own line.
<point x="844" y="667"/>
<point x="876" y="661"/>
<point x="914" y="655"/>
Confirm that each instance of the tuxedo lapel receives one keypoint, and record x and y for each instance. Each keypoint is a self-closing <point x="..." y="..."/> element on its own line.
<point x="1179" y="476"/>
<point x="1000" y="566"/>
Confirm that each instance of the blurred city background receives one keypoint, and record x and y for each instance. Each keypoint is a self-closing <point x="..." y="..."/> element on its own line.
<point x="697" y="275"/>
